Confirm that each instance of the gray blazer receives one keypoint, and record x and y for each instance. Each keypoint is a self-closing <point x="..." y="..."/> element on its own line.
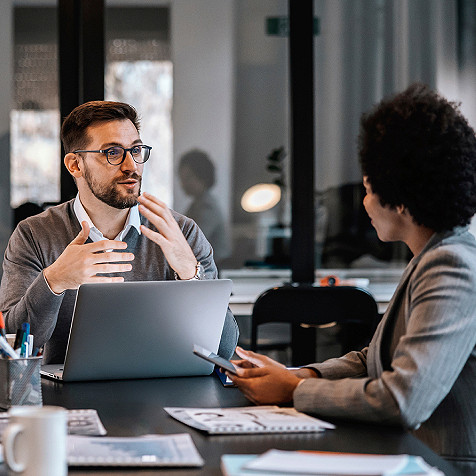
<point x="419" y="370"/>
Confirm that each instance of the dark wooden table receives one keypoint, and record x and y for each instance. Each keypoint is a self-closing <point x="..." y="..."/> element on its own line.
<point x="135" y="407"/>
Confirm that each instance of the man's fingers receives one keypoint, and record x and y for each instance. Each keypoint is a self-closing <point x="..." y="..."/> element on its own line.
<point x="105" y="245"/>
<point x="149" y="199"/>
<point x="153" y="235"/>
<point x="158" y="213"/>
<point x="159" y="221"/>
<point x="105" y="279"/>
<point x="149" y="202"/>
<point x="169" y="236"/>
<point x="103" y="268"/>
<point x="112" y="257"/>
<point x="82" y="236"/>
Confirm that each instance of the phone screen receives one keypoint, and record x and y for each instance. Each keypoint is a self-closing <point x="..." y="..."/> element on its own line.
<point x="214" y="358"/>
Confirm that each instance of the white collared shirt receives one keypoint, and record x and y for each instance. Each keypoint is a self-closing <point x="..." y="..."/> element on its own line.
<point x="133" y="220"/>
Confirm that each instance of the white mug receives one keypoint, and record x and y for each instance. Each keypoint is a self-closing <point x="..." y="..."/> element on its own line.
<point x="34" y="443"/>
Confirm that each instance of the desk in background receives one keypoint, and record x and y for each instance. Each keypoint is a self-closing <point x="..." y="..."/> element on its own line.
<point x="135" y="407"/>
<point x="248" y="284"/>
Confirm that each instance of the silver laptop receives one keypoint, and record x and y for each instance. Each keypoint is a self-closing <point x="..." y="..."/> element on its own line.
<point x="143" y="329"/>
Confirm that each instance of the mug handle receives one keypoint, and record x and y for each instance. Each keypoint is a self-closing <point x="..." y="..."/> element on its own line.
<point x="9" y="437"/>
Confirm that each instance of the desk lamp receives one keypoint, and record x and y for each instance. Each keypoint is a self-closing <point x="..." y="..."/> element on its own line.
<point x="261" y="197"/>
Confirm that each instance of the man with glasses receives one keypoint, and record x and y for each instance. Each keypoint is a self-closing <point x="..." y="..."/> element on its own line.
<point x="108" y="233"/>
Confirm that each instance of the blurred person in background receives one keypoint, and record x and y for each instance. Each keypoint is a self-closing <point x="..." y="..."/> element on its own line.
<point x="197" y="176"/>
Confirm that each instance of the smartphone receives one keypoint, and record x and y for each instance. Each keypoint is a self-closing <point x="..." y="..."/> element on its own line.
<point x="214" y="358"/>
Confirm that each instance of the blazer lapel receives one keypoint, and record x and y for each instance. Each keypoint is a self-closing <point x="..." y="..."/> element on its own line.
<point x="374" y="355"/>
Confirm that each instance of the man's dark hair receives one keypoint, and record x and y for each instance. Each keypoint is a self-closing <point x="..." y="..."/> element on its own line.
<point x="73" y="130"/>
<point x="200" y="165"/>
<point x="418" y="150"/>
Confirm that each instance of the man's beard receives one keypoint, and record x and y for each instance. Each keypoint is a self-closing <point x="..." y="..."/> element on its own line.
<point x="109" y="193"/>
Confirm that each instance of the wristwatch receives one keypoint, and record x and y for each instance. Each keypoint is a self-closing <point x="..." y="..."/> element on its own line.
<point x="199" y="273"/>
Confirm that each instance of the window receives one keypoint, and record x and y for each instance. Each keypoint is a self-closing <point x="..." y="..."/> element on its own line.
<point x="138" y="70"/>
<point x="34" y="119"/>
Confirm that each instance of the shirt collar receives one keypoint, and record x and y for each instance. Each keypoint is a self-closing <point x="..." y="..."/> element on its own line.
<point x="133" y="220"/>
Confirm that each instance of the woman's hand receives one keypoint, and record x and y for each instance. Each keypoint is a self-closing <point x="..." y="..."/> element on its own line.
<point x="263" y="380"/>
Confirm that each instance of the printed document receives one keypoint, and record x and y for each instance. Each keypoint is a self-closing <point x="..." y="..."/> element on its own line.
<point x="255" y="419"/>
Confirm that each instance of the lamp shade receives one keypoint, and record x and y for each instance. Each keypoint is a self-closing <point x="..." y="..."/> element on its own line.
<point x="261" y="197"/>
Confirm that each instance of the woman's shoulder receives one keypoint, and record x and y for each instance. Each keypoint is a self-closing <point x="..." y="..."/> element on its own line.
<point x="453" y="253"/>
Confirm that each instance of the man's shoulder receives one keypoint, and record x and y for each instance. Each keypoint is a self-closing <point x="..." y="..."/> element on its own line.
<point x="181" y="218"/>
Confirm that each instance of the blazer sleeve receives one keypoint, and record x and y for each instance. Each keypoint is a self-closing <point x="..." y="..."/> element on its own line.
<point x="439" y="338"/>
<point x="353" y="364"/>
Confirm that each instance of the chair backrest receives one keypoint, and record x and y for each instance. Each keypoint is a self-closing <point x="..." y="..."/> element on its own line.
<point x="354" y="309"/>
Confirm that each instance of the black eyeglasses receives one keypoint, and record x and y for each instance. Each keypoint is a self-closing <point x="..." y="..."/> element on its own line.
<point x="116" y="155"/>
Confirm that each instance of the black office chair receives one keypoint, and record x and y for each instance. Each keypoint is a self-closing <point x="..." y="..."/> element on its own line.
<point x="306" y="307"/>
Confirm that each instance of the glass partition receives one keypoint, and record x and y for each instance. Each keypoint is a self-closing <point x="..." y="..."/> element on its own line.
<point x="211" y="82"/>
<point x="139" y="71"/>
<point x="34" y="118"/>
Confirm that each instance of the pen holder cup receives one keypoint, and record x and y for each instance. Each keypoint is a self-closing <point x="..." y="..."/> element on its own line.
<point x="20" y="382"/>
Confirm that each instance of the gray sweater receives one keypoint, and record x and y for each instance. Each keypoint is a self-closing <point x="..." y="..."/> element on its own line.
<point x="39" y="240"/>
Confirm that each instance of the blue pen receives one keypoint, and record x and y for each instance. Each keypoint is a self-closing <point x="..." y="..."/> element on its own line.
<point x="25" y="328"/>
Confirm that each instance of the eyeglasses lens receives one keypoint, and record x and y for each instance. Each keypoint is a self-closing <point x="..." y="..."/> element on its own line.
<point x="139" y="153"/>
<point x="114" y="155"/>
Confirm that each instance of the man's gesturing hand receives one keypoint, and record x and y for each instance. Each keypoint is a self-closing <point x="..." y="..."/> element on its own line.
<point x="80" y="263"/>
<point x="169" y="237"/>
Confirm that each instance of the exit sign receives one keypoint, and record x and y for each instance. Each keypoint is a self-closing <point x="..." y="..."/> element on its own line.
<point x="279" y="26"/>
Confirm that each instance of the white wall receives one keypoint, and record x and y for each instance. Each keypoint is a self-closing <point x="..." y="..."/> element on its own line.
<point x="262" y="111"/>
<point x="203" y="55"/>
<point x="6" y="33"/>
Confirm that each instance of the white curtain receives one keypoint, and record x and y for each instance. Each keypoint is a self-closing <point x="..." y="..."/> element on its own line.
<point x="368" y="49"/>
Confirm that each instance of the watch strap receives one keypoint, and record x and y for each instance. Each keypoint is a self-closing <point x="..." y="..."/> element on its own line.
<point x="197" y="276"/>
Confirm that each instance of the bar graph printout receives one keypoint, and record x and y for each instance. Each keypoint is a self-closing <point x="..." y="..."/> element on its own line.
<point x="255" y="419"/>
<point x="80" y="422"/>
<point x="149" y="450"/>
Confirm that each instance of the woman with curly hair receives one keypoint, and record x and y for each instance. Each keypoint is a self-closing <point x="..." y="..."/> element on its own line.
<point x="418" y="158"/>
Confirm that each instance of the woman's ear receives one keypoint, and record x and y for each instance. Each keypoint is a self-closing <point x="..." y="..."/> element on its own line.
<point x="71" y="161"/>
<point x="402" y="209"/>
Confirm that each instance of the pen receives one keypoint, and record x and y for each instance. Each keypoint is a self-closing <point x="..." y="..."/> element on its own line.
<point x="30" y="345"/>
<point x="25" y="328"/>
<point x="18" y="339"/>
<point x="2" y="325"/>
